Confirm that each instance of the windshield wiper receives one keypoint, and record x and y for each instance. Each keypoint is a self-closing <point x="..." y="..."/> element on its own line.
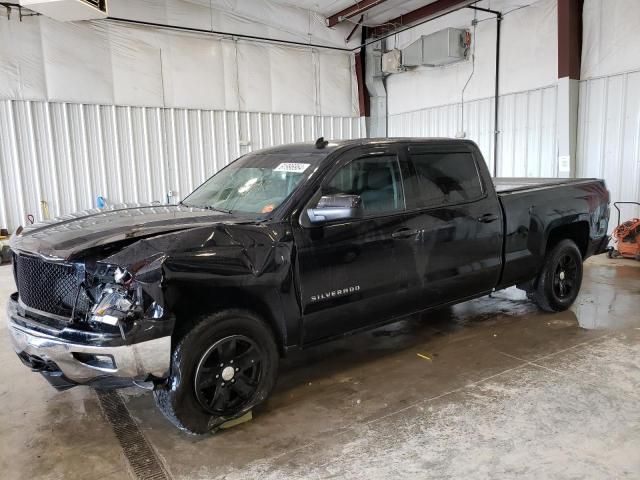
<point x="215" y="209"/>
<point x="204" y="207"/>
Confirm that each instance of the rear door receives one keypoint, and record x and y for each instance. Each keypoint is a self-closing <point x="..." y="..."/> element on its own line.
<point x="458" y="223"/>
<point x="354" y="273"/>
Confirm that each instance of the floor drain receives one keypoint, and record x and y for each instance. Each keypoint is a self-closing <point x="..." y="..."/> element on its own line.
<point x="144" y="462"/>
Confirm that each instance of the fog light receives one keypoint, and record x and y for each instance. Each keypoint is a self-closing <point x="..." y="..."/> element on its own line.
<point x="95" y="360"/>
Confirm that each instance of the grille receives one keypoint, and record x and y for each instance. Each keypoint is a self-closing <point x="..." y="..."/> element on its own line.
<point x="49" y="287"/>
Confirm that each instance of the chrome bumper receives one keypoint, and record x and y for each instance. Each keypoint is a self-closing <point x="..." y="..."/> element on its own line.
<point x="85" y="363"/>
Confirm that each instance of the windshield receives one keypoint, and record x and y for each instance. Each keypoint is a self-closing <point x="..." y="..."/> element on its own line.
<point x="254" y="183"/>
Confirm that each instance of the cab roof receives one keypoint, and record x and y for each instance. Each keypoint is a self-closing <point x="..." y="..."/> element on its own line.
<point x="334" y="145"/>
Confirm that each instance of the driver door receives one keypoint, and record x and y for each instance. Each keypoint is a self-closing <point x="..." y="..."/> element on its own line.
<point x="353" y="272"/>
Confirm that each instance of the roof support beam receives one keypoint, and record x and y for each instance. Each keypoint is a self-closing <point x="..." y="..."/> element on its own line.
<point x="568" y="98"/>
<point x="569" y="38"/>
<point x="432" y="10"/>
<point x="352" y="11"/>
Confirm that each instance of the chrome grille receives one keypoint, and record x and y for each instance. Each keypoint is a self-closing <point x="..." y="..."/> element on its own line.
<point x="50" y="287"/>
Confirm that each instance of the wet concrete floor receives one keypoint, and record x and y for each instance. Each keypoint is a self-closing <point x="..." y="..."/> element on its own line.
<point x="491" y="388"/>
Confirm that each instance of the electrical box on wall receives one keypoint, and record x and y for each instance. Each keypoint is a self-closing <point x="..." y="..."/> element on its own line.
<point x="68" y="10"/>
<point x="439" y="48"/>
<point x="392" y="61"/>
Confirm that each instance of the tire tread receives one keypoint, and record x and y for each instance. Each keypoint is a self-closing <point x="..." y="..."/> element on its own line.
<point x="163" y="395"/>
<point x="541" y="293"/>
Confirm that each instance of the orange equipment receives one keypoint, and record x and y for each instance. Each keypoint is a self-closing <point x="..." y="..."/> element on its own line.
<point x="626" y="236"/>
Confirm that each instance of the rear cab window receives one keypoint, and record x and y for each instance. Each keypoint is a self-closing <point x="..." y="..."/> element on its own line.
<point x="442" y="177"/>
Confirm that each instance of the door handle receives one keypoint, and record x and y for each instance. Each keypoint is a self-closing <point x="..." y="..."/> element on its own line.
<point x="404" y="233"/>
<point x="488" y="218"/>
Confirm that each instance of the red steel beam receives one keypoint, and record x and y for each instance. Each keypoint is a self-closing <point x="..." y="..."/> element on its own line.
<point x="569" y="38"/>
<point x="363" y="94"/>
<point x="434" y="9"/>
<point x="353" y="10"/>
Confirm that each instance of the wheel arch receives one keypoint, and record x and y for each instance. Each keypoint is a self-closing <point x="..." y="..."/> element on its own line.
<point x="191" y="302"/>
<point x="577" y="231"/>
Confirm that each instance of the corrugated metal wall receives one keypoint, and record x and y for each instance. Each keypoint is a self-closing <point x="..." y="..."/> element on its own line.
<point x="527" y="141"/>
<point x="609" y="136"/>
<point x="444" y="121"/>
<point x="66" y="154"/>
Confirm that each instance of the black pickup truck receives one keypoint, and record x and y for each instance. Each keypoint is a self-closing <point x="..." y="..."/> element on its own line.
<point x="284" y="248"/>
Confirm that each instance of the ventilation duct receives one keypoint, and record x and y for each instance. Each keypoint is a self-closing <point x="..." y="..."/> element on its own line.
<point x="439" y="48"/>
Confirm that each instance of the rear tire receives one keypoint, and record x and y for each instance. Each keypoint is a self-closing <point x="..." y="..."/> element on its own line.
<point x="559" y="281"/>
<point x="226" y="365"/>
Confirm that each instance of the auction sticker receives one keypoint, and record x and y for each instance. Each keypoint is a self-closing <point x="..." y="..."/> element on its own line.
<point x="292" y="167"/>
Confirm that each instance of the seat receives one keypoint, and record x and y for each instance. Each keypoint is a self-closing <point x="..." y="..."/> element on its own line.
<point x="378" y="194"/>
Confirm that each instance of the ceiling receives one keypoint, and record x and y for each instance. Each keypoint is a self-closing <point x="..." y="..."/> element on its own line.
<point x="324" y="7"/>
<point x="380" y="13"/>
<point x="389" y="9"/>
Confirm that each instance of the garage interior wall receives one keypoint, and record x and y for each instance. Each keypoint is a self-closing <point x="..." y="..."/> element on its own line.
<point x="131" y="113"/>
<point x="609" y="109"/>
<point x="429" y="101"/>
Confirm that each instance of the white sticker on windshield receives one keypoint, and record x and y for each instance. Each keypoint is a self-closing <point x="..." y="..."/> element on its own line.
<point x="292" y="167"/>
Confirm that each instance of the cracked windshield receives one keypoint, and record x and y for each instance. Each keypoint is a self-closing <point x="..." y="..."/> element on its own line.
<point x="255" y="183"/>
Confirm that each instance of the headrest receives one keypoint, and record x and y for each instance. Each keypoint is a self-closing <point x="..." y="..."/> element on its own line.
<point x="378" y="178"/>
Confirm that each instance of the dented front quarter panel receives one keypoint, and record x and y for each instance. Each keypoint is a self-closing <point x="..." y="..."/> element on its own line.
<point x="206" y="263"/>
<point x="176" y="253"/>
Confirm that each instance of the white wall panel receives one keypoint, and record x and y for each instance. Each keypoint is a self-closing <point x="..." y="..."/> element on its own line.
<point x="21" y="73"/>
<point x="527" y="140"/>
<point x="610" y="31"/>
<point x="114" y="64"/>
<point x="288" y="20"/>
<point x="67" y="154"/>
<point x="528" y="57"/>
<point x="609" y="135"/>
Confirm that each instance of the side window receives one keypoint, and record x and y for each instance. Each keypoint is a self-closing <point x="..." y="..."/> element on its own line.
<point x="446" y="177"/>
<point x="376" y="179"/>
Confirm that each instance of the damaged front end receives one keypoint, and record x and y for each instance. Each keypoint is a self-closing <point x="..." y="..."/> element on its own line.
<point x="88" y="322"/>
<point x="123" y="304"/>
<point x="98" y="295"/>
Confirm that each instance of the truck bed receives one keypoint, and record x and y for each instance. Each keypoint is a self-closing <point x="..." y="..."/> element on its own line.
<point x="532" y="207"/>
<point x="506" y="185"/>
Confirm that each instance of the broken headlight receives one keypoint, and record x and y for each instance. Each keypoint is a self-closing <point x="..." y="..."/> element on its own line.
<point x="122" y="276"/>
<point x="119" y="300"/>
<point x="115" y="307"/>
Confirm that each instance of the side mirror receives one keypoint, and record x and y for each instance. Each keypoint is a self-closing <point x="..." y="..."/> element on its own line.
<point x="336" y="207"/>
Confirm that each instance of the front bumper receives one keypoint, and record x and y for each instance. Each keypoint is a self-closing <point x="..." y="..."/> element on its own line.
<point x="66" y="363"/>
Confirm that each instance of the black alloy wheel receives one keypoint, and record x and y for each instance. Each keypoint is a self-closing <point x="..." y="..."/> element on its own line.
<point x="228" y="375"/>
<point x="564" y="278"/>
<point x="221" y="368"/>
<point x="558" y="284"/>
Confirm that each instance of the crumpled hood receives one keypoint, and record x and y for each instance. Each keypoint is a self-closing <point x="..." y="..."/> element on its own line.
<point x="71" y="235"/>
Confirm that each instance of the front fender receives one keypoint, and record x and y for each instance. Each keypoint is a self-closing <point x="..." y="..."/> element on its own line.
<point x="247" y="266"/>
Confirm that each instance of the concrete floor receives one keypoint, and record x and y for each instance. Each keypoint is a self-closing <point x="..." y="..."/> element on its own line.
<point x="488" y="389"/>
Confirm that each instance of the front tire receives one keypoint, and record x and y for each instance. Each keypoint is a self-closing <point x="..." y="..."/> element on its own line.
<point x="226" y="365"/>
<point x="559" y="282"/>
